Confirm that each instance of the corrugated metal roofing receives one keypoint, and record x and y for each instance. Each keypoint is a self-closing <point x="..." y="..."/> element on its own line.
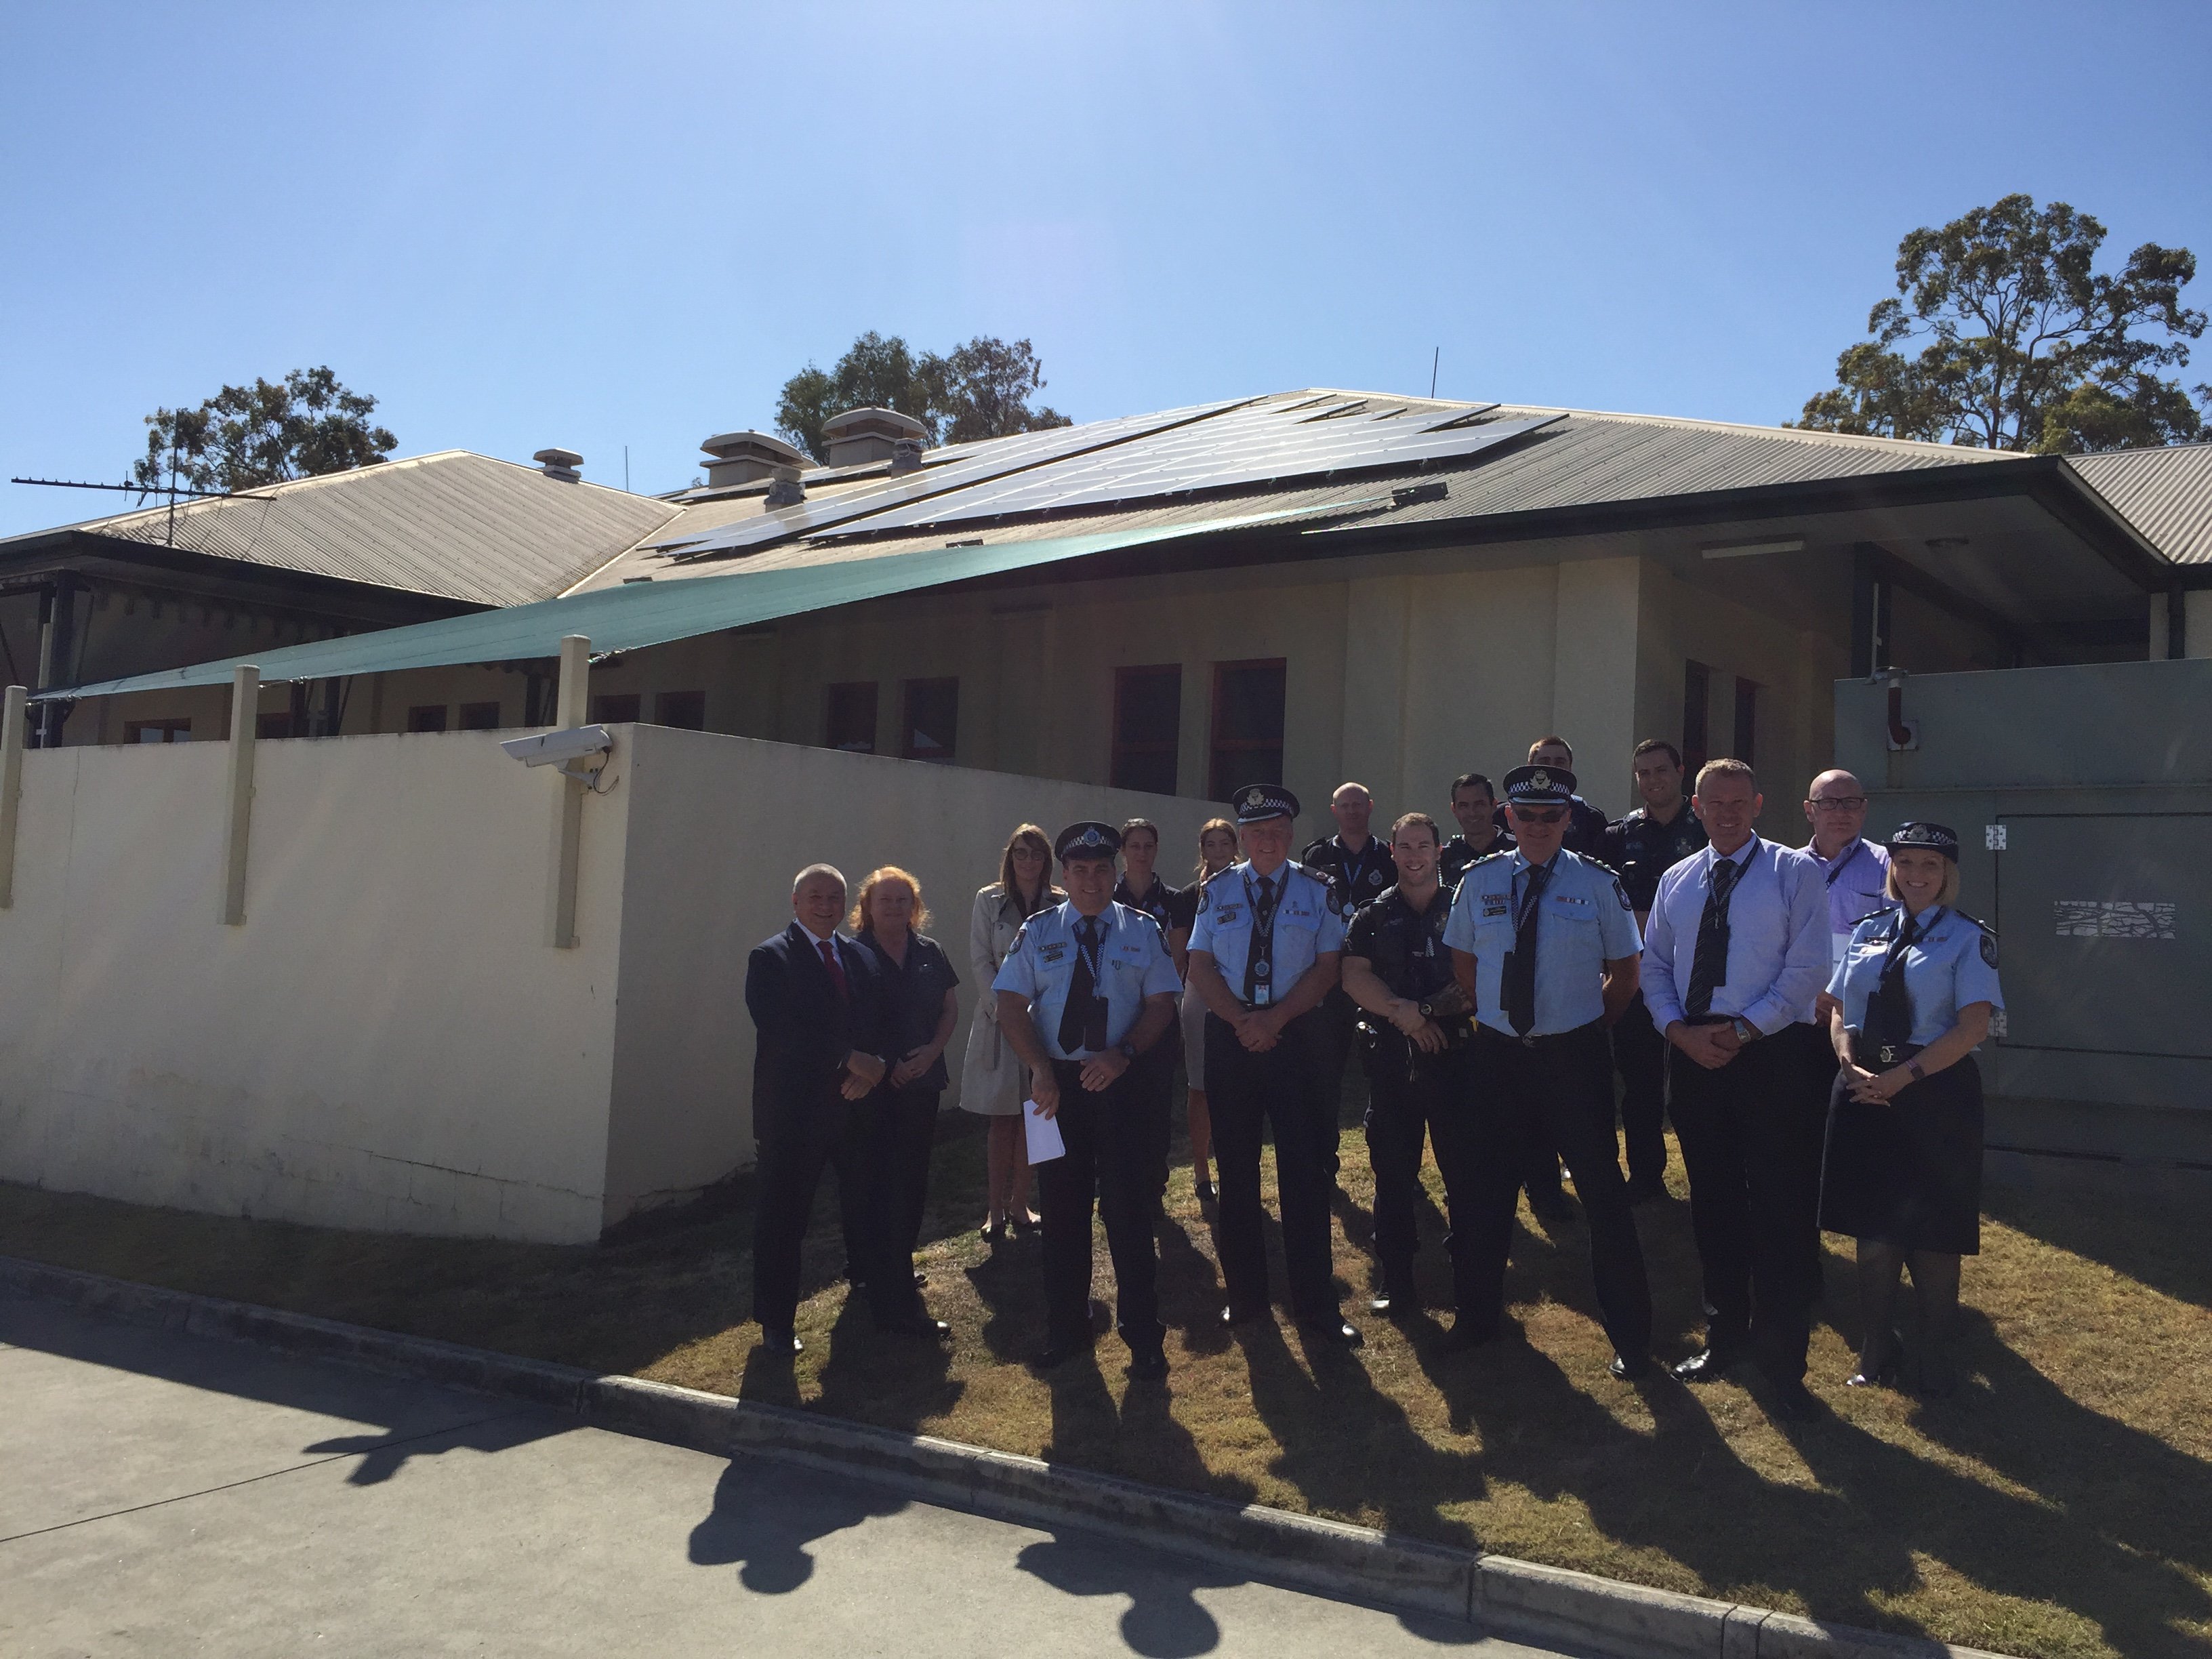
<point x="629" y="619"/>
<point x="455" y="525"/>
<point x="2166" y="494"/>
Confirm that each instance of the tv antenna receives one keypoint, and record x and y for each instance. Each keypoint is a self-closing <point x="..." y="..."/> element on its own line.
<point x="173" y="489"/>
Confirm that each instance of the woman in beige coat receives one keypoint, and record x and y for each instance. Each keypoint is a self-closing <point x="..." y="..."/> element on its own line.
<point x="994" y="1083"/>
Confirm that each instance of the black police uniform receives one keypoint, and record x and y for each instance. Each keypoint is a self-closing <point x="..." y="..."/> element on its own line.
<point x="1455" y="855"/>
<point x="1359" y="879"/>
<point x="1414" y="1096"/>
<point x="1641" y="849"/>
<point x="1152" y="1076"/>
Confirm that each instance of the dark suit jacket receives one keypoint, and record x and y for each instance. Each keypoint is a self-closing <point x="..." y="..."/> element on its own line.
<point x="805" y="1028"/>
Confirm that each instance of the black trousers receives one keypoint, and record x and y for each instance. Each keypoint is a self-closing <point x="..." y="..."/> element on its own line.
<point x="900" y="1128"/>
<point x="1336" y="1037"/>
<point x="1558" y="1090"/>
<point x="1751" y="1135"/>
<point x="1404" y="1111"/>
<point x="1151" y="1079"/>
<point x="1246" y="1094"/>
<point x="798" y="1139"/>
<point x="1107" y="1160"/>
<point x="1639" y="1055"/>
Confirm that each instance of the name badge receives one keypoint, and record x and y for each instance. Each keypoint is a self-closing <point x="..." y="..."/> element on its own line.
<point x="1495" y="904"/>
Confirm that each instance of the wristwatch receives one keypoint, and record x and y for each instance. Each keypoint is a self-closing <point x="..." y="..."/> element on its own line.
<point x="1129" y="1052"/>
<point x="1913" y="1067"/>
<point x="1744" y="1030"/>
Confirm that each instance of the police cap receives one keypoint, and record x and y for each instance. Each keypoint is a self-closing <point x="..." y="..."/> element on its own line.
<point x="1538" y="786"/>
<point x="1087" y="840"/>
<point x="1927" y="837"/>
<point x="1258" y="802"/>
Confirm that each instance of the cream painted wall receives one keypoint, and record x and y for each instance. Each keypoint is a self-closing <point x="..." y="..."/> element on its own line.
<point x="387" y="1042"/>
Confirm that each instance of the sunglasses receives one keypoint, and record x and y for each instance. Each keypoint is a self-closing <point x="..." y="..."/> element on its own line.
<point x="1837" y="804"/>
<point x="1545" y="815"/>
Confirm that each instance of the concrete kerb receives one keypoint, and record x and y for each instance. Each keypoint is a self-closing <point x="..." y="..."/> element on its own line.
<point x="1553" y="1605"/>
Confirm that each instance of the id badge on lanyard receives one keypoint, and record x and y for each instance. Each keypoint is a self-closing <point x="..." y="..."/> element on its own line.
<point x="1262" y="945"/>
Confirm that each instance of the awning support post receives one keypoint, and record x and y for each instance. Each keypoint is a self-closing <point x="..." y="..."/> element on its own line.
<point x="13" y="721"/>
<point x="244" y="711"/>
<point x="572" y="701"/>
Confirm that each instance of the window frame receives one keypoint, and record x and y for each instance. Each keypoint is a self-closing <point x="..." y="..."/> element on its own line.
<point x="1121" y="750"/>
<point x="1218" y="748"/>
<point x="943" y="754"/>
<point x="830" y="697"/>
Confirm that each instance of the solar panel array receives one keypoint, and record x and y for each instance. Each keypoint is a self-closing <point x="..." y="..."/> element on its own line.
<point x="993" y="459"/>
<point x="1261" y="444"/>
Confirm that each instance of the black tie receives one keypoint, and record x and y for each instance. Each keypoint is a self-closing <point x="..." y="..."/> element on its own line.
<point x="1259" y="960"/>
<point x="1083" y="1016"/>
<point x="1888" y="1026"/>
<point x="1709" y="969"/>
<point x="1520" y="965"/>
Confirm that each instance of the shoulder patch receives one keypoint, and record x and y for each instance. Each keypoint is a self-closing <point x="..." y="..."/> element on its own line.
<point x="1621" y="893"/>
<point x="1335" y="898"/>
<point x="1989" y="947"/>
<point x="1205" y="898"/>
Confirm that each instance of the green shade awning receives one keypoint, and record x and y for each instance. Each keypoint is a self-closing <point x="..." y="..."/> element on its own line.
<point x="636" y="615"/>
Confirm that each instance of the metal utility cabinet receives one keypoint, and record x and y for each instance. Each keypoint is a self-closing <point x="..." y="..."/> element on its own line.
<point x="2082" y="797"/>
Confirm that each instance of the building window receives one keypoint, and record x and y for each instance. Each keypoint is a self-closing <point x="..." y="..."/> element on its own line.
<point x="684" y="710"/>
<point x="1247" y="725"/>
<point x="932" y="720"/>
<point x="1746" y="721"/>
<point x="1148" y="727"/>
<point x="852" y="717"/>
<point x="479" y="717"/>
<point x="616" y="708"/>
<point x="159" y="732"/>
<point x="272" y="725"/>
<point x="1697" y="716"/>
<point x="426" y="717"/>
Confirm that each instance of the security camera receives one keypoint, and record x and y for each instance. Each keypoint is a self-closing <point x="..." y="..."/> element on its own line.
<point x="578" y="750"/>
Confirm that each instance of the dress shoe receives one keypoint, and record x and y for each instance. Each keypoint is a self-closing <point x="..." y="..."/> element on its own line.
<point x="1053" y="1355"/>
<point x="1148" y="1365"/>
<point x="1465" y="1337"/>
<point x="1710" y="1366"/>
<point x="1233" y="1315"/>
<point x="782" y="1344"/>
<point x="915" y="1324"/>
<point x="1397" y="1299"/>
<point x="1204" y="1188"/>
<point x="1882" y="1372"/>
<point x="1341" y="1333"/>
<point x="1555" y="1208"/>
<point x="994" y="1230"/>
<point x="1632" y="1367"/>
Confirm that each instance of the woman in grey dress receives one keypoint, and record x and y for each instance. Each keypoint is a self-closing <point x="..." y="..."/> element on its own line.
<point x="994" y="1083"/>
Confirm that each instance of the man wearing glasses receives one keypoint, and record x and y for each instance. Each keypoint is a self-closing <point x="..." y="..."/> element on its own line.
<point x="1856" y="870"/>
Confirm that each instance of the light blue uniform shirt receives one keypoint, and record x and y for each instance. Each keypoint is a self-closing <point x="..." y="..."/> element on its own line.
<point x="1308" y="922"/>
<point x="1134" y="963"/>
<point x="1953" y="963"/>
<point x="1856" y="882"/>
<point x="1583" y="920"/>
<point x="1778" y="949"/>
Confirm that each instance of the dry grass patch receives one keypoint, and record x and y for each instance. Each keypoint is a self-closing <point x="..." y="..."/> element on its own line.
<point x="2061" y="1506"/>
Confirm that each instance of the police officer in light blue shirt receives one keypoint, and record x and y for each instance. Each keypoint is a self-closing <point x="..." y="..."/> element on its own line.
<point x="1264" y="950"/>
<point x="1915" y="991"/>
<point x="1734" y="956"/>
<point x="1544" y="943"/>
<point x="1087" y="988"/>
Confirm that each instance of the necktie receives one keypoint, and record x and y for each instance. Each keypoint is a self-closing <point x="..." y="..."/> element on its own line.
<point x="1259" y="959"/>
<point x="1889" y="1011"/>
<point x="1709" y="968"/>
<point x="1520" y="964"/>
<point x="1083" y="1016"/>
<point x="836" y="968"/>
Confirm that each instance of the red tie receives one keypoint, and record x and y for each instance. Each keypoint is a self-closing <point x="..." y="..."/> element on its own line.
<point x="829" y="961"/>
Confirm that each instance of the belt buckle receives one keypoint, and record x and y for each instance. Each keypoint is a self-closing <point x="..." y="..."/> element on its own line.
<point x="1887" y="1054"/>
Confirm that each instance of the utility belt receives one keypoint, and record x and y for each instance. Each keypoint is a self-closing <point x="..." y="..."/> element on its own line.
<point x="1873" y="1051"/>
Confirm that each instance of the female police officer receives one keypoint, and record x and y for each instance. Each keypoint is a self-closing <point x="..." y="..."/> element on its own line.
<point x="1904" y="1164"/>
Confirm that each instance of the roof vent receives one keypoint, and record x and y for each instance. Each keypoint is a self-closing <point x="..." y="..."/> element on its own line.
<point x="786" y="490"/>
<point x="561" y="464"/>
<point x="906" y="455"/>
<point x="741" y="457"/>
<point x="861" y="436"/>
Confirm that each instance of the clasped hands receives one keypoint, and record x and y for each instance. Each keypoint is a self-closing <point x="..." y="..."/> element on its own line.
<point x="1711" y="1046"/>
<point x="1098" y="1072"/>
<point x="1417" y="1028"/>
<point x="1874" y="1088"/>
<point x="1258" y="1029"/>
<point x="862" y="1074"/>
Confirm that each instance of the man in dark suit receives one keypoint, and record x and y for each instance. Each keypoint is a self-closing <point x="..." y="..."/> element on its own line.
<point x="818" y="1005"/>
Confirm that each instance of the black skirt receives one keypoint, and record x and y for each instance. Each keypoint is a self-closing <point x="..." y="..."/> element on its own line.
<point x="1908" y="1172"/>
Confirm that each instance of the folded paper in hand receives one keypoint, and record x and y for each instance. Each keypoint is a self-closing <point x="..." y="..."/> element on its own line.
<point x="1045" y="1144"/>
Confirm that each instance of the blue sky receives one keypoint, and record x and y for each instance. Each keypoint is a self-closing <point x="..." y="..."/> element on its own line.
<point x="599" y="227"/>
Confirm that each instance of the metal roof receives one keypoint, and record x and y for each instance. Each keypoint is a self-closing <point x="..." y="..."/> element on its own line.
<point x="637" y="615"/>
<point x="455" y="525"/>
<point x="2166" y="494"/>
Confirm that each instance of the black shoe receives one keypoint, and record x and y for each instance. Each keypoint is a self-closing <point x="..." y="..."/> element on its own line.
<point x="782" y="1344"/>
<point x="1555" y="1208"/>
<point x="1646" y="1192"/>
<point x="992" y="1231"/>
<point x="1053" y="1355"/>
<point x="1233" y="1315"/>
<point x="1148" y="1365"/>
<point x="1397" y="1299"/>
<point x="1632" y="1367"/>
<point x="1203" y="1186"/>
<point x="915" y="1324"/>
<point x="1342" y="1333"/>
<point x="1710" y="1366"/>
<point x="1791" y="1399"/>
<point x="1465" y="1337"/>
<point x="1879" y="1373"/>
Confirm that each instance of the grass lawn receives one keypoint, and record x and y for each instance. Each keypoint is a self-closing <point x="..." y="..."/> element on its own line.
<point x="2061" y="1504"/>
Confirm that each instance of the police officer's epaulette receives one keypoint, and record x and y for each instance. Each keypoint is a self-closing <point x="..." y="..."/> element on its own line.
<point x="1598" y="863"/>
<point x="1490" y="858"/>
<point x="1315" y="849"/>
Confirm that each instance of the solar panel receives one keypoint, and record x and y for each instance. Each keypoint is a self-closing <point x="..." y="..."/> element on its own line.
<point x="993" y="458"/>
<point x="1253" y="445"/>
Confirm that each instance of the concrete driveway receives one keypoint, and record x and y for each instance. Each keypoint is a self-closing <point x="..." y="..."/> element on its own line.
<point x="163" y="1494"/>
